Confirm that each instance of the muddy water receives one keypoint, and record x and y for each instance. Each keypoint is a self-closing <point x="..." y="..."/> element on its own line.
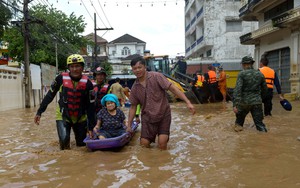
<point x="203" y="151"/>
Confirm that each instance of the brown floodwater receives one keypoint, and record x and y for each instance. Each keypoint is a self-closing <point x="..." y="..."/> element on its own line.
<point x="204" y="151"/>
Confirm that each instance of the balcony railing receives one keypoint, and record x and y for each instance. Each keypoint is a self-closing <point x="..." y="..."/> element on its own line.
<point x="194" y="19"/>
<point x="200" y="12"/>
<point x="257" y="33"/>
<point x="263" y="31"/>
<point x="245" y="38"/>
<point x="287" y="17"/>
<point x="247" y="8"/>
<point x="196" y="43"/>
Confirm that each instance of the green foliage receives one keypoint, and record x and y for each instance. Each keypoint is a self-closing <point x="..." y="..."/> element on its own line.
<point x="4" y="18"/>
<point x="107" y="67"/>
<point x="49" y="28"/>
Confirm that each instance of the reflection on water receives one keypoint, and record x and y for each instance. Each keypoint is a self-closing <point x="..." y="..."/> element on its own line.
<point x="203" y="151"/>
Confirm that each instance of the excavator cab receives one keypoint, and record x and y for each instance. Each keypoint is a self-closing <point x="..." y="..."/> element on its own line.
<point x="161" y="63"/>
<point x="158" y="63"/>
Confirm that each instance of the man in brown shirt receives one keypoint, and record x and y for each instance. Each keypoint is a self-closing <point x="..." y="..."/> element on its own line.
<point x="117" y="89"/>
<point x="149" y="90"/>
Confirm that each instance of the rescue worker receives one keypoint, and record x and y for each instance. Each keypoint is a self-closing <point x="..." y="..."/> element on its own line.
<point x="199" y="79"/>
<point x="271" y="80"/>
<point x="76" y="104"/>
<point x="182" y="65"/>
<point x="211" y="79"/>
<point x="198" y="88"/>
<point x="101" y="88"/>
<point x="248" y="93"/>
<point x="222" y="83"/>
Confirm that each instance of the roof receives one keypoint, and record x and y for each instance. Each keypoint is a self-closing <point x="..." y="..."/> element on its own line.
<point x="122" y="76"/>
<point x="131" y="57"/>
<point x="126" y="39"/>
<point x="91" y="37"/>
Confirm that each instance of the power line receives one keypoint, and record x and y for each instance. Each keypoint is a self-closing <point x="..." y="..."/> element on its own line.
<point x="104" y="13"/>
<point x="86" y="9"/>
<point x="97" y="12"/>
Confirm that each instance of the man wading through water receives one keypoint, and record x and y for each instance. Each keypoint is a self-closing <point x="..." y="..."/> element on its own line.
<point x="76" y="107"/>
<point x="149" y="90"/>
<point x="248" y="93"/>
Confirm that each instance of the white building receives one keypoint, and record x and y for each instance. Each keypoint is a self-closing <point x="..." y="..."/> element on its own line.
<point x="278" y="36"/>
<point x="212" y="31"/>
<point x="119" y="50"/>
<point x="89" y="54"/>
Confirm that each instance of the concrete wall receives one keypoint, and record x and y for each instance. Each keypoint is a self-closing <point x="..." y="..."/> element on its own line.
<point x="12" y="92"/>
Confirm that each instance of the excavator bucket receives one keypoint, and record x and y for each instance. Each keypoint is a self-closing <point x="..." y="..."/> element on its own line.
<point x="192" y="97"/>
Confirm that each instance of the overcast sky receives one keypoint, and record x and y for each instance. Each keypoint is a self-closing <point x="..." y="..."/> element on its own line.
<point x="158" y="23"/>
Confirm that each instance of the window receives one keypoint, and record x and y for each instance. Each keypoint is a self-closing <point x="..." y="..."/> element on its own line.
<point x="114" y="52"/>
<point x="276" y="11"/>
<point x="208" y="53"/>
<point x="126" y="51"/>
<point x="233" y="26"/>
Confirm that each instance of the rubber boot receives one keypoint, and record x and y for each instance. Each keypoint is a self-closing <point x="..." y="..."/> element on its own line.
<point x="80" y="131"/>
<point x="261" y="128"/>
<point x="63" y="132"/>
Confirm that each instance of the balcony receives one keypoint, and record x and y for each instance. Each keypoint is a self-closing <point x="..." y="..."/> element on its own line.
<point x="197" y="46"/>
<point x="288" y="19"/>
<point x="246" y="12"/>
<point x="246" y="38"/>
<point x="252" y="38"/>
<point x="194" y="19"/>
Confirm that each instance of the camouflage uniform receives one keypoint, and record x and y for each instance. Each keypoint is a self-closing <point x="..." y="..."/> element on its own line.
<point x="250" y="88"/>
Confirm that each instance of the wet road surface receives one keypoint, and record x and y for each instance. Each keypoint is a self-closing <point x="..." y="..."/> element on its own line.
<point x="204" y="151"/>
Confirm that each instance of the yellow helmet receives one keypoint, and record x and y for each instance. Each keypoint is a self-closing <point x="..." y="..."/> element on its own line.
<point x="75" y="58"/>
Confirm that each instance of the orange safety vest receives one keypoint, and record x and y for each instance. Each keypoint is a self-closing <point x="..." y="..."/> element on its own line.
<point x="212" y="77"/>
<point x="200" y="80"/>
<point x="269" y="75"/>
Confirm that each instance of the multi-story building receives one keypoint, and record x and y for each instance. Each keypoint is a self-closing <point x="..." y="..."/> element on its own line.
<point x="212" y="31"/>
<point x="91" y="58"/>
<point x="120" y="49"/>
<point x="277" y="37"/>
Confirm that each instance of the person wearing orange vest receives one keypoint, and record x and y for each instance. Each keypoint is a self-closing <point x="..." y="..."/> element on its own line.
<point x="271" y="80"/>
<point x="101" y="88"/>
<point x="222" y="83"/>
<point x="211" y="79"/>
<point x="76" y="109"/>
<point x="199" y="79"/>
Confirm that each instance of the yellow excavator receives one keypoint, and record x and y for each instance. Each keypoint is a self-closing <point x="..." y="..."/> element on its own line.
<point x="161" y="63"/>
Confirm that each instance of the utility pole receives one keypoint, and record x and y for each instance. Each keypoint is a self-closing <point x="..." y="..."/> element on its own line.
<point x="95" y="38"/>
<point x="56" y="58"/>
<point x="27" y="80"/>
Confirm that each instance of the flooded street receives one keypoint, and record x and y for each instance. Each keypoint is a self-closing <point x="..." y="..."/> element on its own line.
<point x="204" y="151"/>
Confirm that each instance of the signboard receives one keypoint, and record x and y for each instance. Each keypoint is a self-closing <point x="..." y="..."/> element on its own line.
<point x="48" y="74"/>
<point x="35" y="71"/>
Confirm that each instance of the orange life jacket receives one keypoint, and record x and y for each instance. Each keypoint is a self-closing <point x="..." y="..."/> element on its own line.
<point x="212" y="77"/>
<point x="269" y="75"/>
<point x="73" y="97"/>
<point x="200" y="80"/>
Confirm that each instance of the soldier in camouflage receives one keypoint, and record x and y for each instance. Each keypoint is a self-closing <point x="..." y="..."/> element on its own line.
<point x="250" y="88"/>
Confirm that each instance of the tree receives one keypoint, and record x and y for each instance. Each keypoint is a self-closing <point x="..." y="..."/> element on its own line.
<point x="4" y="18"/>
<point x="107" y="67"/>
<point x="48" y="27"/>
